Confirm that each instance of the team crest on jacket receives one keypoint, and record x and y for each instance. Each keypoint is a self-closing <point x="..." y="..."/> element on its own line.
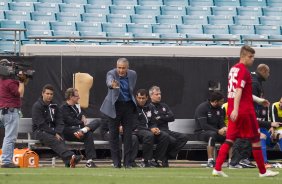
<point x="148" y="114"/>
<point x="164" y="109"/>
<point x="218" y="113"/>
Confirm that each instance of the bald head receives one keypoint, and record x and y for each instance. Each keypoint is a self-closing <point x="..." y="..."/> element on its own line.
<point x="263" y="70"/>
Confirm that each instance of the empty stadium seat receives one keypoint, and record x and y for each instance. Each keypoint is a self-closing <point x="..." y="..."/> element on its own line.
<point x="201" y="3"/>
<point x="246" y="20"/>
<point x="38" y="33"/>
<point x="118" y="35"/>
<point x="274" y="3"/>
<point x="173" y="35"/>
<point x="77" y="8"/>
<point x="173" y="10"/>
<point x="65" y="33"/>
<point x="249" y="11"/>
<point x="216" y="29"/>
<point x="50" y="1"/>
<point x="47" y="7"/>
<point x="147" y="35"/>
<point x="272" y="11"/>
<point x="127" y="10"/>
<point x="176" y="2"/>
<point x="93" y="17"/>
<point x="100" y="2"/>
<point x="89" y="26"/>
<point x="75" y="1"/>
<point x="194" y="19"/>
<point x="169" y="19"/>
<point x="7" y="46"/>
<point x="43" y="16"/>
<point x="12" y="24"/>
<point x="198" y="10"/>
<point x="37" y="25"/>
<point x="94" y="34"/>
<point x="257" y="3"/>
<point x="139" y="28"/>
<point x="267" y="30"/>
<point x="118" y="18"/>
<point x="224" y="10"/>
<point x="148" y="10"/>
<point x="189" y="29"/>
<point x="228" y="37"/>
<point x="110" y="27"/>
<point x="255" y="36"/>
<point x="68" y="17"/>
<point x="2" y="15"/>
<point x="143" y="19"/>
<point x="99" y="9"/>
<point x="17" y="15"/>
<point x="241" y="29"/>
<point x="220" y="19"/>
<point x="276" y="37"/>
<point x="10" y="35"/>
<point x="200" y="36"/>
<point x="227" y="2"/>
<point x="150" y="2"/>
<point x="125" y="2"/>
<point x="25" y="1"/>
<point x="21" y="6"/>
<point x="164" y="28"/>
<point x="4" y="6"/>
<point x="271" y="20"/>
<point x="63" y="26"/>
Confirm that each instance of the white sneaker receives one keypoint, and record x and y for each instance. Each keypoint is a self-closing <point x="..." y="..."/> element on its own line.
<point x="219" y="173"/>
<point x="269" y="173"/>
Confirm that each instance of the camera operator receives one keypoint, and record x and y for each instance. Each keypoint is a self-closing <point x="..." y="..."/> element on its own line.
<point x="11" y="92"/>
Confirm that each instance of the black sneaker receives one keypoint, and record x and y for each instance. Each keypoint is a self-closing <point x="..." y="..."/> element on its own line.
<point x="75" y="159"/>
<point x="145" y="163"/>
<point x="245" y="163"/>
<point x="211" y="164"/>
<point x="165" y="163"/>
<point x="91" y="164"/>
<point x="155" y="163"/>
<point x="10" y="165"/>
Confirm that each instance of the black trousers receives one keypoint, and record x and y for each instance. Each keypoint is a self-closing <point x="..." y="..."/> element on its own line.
<point x="56" y="145"/>
<point x="88" y="140"/>
<point x="242" y="149"/>
<point x="176" y="142"/>
<point x="146" y="137"/>
<point x="207" y="135"/>
<point x="125" y="114"/>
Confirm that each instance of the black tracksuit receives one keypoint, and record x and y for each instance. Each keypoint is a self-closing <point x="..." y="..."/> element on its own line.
<point x="72" y="119"/>
<point x="147" y="138"/>
<point x="161" y="116"/>
<point x="209" y="120"/>
<point x="47" y="122"/>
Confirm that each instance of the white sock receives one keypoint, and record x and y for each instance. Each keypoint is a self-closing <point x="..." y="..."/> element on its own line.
<point x="210" y="159"/>
<point x="84" y="130"/>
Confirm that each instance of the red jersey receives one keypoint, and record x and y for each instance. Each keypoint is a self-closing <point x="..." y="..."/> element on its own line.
<point x="240" y="77"/>
<point x="9" y="94"/>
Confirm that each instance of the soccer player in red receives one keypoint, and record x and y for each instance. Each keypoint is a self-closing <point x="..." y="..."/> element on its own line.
<point x="242" y="122"/>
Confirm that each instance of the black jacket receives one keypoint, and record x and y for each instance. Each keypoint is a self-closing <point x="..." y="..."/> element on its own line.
<point x="47" y="117"/>
<point x="208" y="117"/>
<point x="161" y="115"/>
<point x="144" y="118"/>
<point x="71" y="116"/>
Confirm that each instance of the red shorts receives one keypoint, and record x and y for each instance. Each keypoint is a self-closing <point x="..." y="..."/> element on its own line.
<point x="246" y="126"/>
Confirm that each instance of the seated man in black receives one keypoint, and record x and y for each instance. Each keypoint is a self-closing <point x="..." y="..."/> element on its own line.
<point x="210" y="126"/>
<point x="148" y="136"/>
<point x="48" y="125"/>
<point x="161" y="116"/>
<point x="76" y="126"/>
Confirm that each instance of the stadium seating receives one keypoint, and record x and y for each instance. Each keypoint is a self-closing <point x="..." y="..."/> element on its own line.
<point x="169" y="19"/>
<point x="256" y="43"/>
<point x="47" y="7"/>
<point x="154" y="18"/>
<point x="143" y="19"/>
<point x="93" y="17"/>
<point x="176" y="2"/>
<point x="127" y="10"/>
<point x="227" y="36"/>
<point x="39" y="33"/>
<point x="43" y="16"/>
<point x="194" y="19"/>
<point x="200" y="36"/>
<point x="227" y="3"/>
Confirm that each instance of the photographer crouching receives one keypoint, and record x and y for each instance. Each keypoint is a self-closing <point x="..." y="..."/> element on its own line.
<point x="11" y="92"/>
